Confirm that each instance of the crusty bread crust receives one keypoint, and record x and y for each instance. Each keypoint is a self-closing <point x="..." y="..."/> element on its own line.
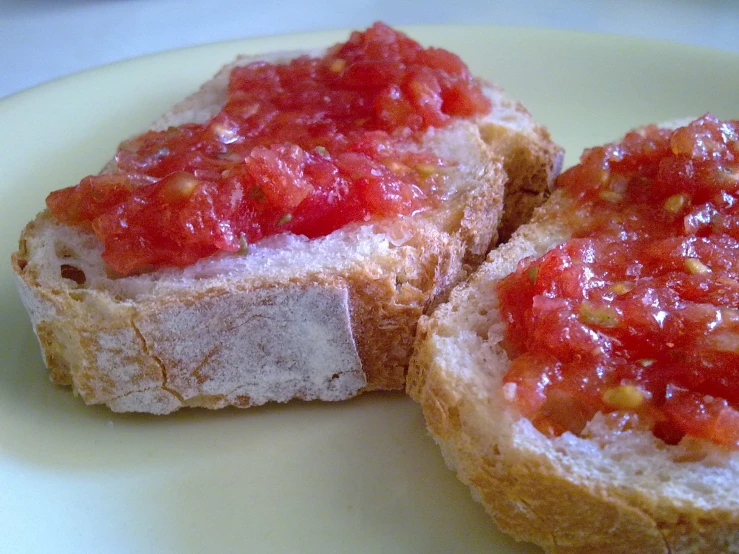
<point x="322" y="319"/>
<point x="618" y="489"/>
<point x="529" y="159"/>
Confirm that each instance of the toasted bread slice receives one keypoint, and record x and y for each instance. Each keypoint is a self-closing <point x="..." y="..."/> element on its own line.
<point x="607" y="491"/>
<point x="325" y="319"/>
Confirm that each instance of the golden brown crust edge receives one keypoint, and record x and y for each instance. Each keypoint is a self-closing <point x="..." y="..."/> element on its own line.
<point x="530" y="158"/>
<point x="530" y="493"/>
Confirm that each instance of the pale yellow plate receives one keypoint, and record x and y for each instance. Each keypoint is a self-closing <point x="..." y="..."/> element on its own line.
<point x="359" y="476"/>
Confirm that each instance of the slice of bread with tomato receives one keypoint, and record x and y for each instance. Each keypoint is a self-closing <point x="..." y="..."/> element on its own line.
<point x="322" y="318"/>
<point x="631" y="468"/>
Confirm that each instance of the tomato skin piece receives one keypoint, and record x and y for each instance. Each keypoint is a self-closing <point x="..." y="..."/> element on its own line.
<point x="305" y="147"/>
<point x="423" y="90"/>
<point x="703" y="416"/>
<point x="279" y="172"/>
<point x="463" y="100"/>
<point x="92" y="197"/>
<point x="644" y="296"/>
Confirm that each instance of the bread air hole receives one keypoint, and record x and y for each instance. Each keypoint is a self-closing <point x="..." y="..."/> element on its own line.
<point x="73" y="273"/>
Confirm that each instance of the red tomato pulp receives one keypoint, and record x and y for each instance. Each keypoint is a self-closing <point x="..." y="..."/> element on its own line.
<point x="639" y="312"/>
<point x="305" y="147"/>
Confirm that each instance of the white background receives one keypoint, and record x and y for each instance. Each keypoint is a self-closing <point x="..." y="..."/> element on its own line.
<point x="44" y="39"/>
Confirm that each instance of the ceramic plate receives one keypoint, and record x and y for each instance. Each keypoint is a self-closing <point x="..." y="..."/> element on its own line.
<point x="358" y="476"/>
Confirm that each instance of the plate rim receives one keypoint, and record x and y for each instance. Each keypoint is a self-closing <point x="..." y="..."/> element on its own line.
<point x="578" y="34"/>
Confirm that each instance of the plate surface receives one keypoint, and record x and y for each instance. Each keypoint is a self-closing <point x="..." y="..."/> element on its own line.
<point x="355" y="476"/>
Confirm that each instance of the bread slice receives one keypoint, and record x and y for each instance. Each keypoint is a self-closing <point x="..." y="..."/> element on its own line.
<point x="610" y="491"/>
<point x="323" y="319"/>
